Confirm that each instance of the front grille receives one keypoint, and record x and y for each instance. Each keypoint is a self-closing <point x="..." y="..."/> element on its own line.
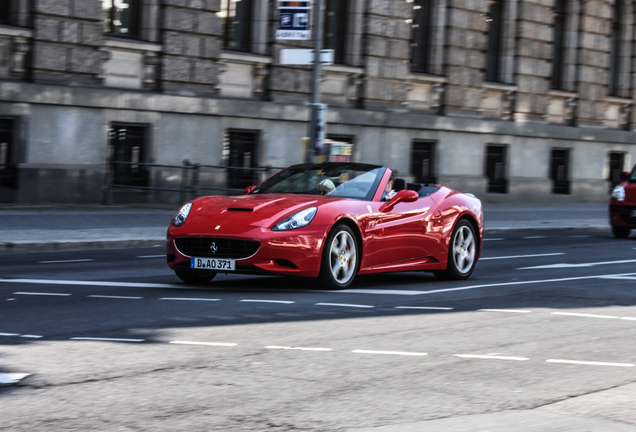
<point x="225" y="248"/>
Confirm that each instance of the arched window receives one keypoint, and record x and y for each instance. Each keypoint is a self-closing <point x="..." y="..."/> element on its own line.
<point x="495" y="39"/>
<point x="422" y="36"/>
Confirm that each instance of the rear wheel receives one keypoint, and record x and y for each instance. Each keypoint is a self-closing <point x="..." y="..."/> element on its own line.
<point x="621" y="232"/>
<point x="462" y="252"/>
<point x="340" y="258"/>
<point x="196" y="277"/>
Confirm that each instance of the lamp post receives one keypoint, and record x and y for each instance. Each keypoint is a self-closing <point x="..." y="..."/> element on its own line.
<point x="315" y="92"/>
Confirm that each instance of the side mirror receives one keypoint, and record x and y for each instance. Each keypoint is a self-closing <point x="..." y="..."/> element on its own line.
<point x="624" y="176"/>
<point x="249" y="189"/>
<point x="401" y="196"/>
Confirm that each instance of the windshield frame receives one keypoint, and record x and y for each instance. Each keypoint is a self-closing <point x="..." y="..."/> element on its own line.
<point x="326" y="166"/>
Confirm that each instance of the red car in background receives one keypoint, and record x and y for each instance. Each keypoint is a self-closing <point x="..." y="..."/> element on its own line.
<point x="329" y="221"/>
<point x="622" y="208"/>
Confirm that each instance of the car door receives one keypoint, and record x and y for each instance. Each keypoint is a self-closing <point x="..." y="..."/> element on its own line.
<point x="405" y="231"/>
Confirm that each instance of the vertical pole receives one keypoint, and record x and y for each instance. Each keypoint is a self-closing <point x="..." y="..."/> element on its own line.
<point x="315" y="93"/>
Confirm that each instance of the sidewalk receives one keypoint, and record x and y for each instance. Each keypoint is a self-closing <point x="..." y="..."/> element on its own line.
<point x="48" y="228"/>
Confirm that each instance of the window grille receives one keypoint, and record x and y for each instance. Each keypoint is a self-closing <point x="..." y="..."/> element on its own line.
<point x="496" y="157"/>
<point x="560" y="171"/>
<point x="127" y="147"/>
<point x="240" y="150"/>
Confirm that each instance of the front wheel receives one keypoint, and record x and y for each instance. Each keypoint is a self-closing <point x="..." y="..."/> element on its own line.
<point x="621" y="232"/>
<point x="462" y="252"/>
<point x="340" y="258"/>
<point x="195" y="277"/>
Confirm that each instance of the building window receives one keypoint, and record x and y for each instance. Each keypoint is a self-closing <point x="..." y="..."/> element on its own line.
<point x="616" y="167"/>
<point x="615" y="49"/>
<point x="423" y="162"/>
<point x="559" y="47"/>
<point x="121" y="18"/>
<point x="127" y="148"/>
<point x="8" y="166"/>
<point x="560" y="171"/>
<point x="5" y="11"/>
<point x="240" y="151"/>
<point x="496" y="157"/>
<point x="237" y="24"/>
<point x="421" y="44"/>
<point x="335" y="28"/>
<point x="495" y="38"/>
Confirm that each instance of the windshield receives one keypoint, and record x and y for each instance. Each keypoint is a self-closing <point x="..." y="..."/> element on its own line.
<point x="345" y="180"/>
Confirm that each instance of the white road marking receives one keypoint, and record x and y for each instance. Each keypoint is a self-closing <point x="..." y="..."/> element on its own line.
<point x="490" y="357"/>
<point x="521" y="256"/>
<point x="65" y="261"/>
<point x="220" y="344"/>
<point x="566" y="265"/>
<point x="107" y="339"/>
<point x="375" y="291"/>
<point x="151" y="256"/>
<point x="115" y="297"/>
<point x="346" y="305"/>
<point x="424" y="307"/>
<point x="584" y="315"/>
<point x="530" y="282"/>
<point x="297" y="348"/>
<point x="505" y="310"/>
<point x="9" y="334"/>
<point x="12" y="378"/>
<point x="31" y="336"/>
<point x="90" y="283"/>
<point x="534" y="237"/>
<point x="628" y="318"/>
<point x="398" y="353"/>
<point x="590" y="363"/>
<point x="190" y="299"/>
<point x="268" y="301"/>
<point x="621" y="278"/>
<point x="493" y="239"/>
<point x="42" y="294"/>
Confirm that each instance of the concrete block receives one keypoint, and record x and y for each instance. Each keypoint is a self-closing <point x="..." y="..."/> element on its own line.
<point x="380" y="7"/>
<point x="375" y="89"/>
<point x="173" y="43"/>
<point x="210" y="47"/>
<point x="88" y="9"/>
<point x="208" y="23"/>
<point x="92" y="34"/>
<point x="179" y="3"/>
<point x="376" y="47"/>
<point x="204" y="72"/>
<point x="70" y="32"/>
<point x="180" y="20"/>
<point x="192" y="46"/>
<point x="84" y="60"/>
<point x="176" y="69"/>
<point x="47" y="29"/>
<point x="399" y="49"/>
<point x="213" y="5"/>
<point x="53" y="7"/>
<point x="50" y="57"/>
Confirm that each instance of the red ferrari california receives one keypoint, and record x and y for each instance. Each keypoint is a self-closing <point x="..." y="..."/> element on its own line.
<point x="329" y="221"/>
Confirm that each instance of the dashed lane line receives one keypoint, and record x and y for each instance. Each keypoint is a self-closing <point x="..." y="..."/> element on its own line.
<point x="490" y="357"/>
<point x="521" y="256"/>
<point x="114" y="297"/>
<point x="42" y="294"/>
<point x="346" y="305"/>
<point x="581" y="265"/>
<point x="216" y="344"/>
<point x="190" y="299"/>
<point x="590" y="363"/>
<point x="267" y="301"/>
<point x="505" y="310"/>
<point x="424" y="308"/>
<point x="395" y="353"/>
<point x="66" y="261"/>
<point x="275" y="347"/>
<point x="101" y="339"/>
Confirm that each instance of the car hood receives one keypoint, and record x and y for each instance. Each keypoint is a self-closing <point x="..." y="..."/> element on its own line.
<point x="262" y="210"/>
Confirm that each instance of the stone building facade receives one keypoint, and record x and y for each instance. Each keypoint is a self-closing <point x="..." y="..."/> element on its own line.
<point x="512" y="100"/>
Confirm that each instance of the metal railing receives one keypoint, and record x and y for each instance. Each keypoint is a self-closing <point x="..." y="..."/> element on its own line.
<point x="188" y="179"/>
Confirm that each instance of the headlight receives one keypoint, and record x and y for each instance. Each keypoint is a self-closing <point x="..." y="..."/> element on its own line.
<point x="299" y="220"/>
<point x="181" y="217"/>
<point x="619" y="193"/>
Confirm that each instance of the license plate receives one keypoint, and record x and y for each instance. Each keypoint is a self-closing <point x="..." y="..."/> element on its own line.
<point x="218" y="264"/>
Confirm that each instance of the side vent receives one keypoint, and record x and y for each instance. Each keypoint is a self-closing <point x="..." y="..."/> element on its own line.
<point x="239" y="209"/>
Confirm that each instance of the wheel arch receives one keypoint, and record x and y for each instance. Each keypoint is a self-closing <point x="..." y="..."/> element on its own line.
<point x="468" y="217"/>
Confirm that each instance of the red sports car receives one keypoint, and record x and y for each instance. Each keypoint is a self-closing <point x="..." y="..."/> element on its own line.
<point x="622" y="208"/>
<point x="329" y="221"/>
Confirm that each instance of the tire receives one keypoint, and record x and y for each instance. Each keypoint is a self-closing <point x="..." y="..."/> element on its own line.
<point x="462" y="252"/>
<point x="340" y="259"/>
<point x="621" y="232"/>
<point x="195" y="277"/>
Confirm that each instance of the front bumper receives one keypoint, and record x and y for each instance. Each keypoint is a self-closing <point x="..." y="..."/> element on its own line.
<point x="294" y="252"/>
<point x="622" y="214"/>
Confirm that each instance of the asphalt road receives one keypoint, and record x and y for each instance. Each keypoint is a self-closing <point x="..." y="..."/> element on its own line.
<point x="540" y="338"/>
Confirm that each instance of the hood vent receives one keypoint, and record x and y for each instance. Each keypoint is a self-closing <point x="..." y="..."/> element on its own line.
<point x="239" y="209"/>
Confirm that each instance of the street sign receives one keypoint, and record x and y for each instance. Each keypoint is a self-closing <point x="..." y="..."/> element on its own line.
<point x="305" y="56"/>
<point x="293" y="20"/>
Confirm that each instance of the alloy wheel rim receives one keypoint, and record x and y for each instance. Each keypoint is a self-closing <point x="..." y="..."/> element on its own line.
<point x="464" y="249"/>
<point x="343" y="257"/>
